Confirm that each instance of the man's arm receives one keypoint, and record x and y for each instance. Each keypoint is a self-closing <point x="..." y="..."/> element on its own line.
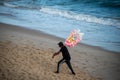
<point x="55" y="54"/>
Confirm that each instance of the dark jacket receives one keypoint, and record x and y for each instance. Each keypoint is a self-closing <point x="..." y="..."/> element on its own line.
<point x="65" y="53"/>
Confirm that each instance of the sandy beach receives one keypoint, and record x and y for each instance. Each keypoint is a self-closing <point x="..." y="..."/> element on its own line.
<point x="26" y="54"/>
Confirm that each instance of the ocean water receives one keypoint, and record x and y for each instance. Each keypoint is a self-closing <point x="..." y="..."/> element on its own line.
<point x="99" y="20"/>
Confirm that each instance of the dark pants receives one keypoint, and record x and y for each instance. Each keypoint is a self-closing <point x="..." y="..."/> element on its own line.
<point x="67" y="62"/>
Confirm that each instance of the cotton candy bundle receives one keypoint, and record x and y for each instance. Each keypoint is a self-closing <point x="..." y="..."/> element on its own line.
<point x="74" y="38"/>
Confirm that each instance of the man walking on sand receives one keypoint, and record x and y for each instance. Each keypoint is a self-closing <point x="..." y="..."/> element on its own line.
<point x="66" y="57"/>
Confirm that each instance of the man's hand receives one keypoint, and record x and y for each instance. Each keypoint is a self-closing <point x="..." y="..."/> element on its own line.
<point x="53" y="56"/>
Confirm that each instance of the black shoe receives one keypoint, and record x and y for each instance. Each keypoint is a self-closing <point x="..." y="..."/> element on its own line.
<point x="56" y="72"/>
<point x="73" y="73"/>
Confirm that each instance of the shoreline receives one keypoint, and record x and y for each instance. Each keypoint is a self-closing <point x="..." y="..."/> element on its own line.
<point x="22" y="42"/>
<point x="38" y="32"/>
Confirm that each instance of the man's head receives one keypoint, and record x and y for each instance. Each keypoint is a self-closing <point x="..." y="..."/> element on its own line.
<point x="60" y="44"/>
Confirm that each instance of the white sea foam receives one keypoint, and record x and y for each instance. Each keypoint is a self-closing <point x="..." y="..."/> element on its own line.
<point x="71" y="15"/>
<point x="10" y="5"/>
<point x="81" y="17"/>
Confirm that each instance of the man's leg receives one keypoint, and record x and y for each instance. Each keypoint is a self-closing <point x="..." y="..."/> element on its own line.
<point x="69" y="65"/>
<point x="58" y="65"/>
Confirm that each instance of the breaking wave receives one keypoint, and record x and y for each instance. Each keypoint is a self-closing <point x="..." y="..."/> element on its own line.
<point x="81" y="17"/>
<point x="70" y="14"/>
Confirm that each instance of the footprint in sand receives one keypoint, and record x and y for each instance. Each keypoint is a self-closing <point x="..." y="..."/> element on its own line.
<point x="12" y="36"/>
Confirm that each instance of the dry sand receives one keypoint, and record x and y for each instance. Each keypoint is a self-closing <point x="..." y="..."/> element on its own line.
<point x="25" y="54"/>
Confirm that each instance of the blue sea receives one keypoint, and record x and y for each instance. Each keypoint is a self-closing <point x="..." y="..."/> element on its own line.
<point x="99" y="20"/>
